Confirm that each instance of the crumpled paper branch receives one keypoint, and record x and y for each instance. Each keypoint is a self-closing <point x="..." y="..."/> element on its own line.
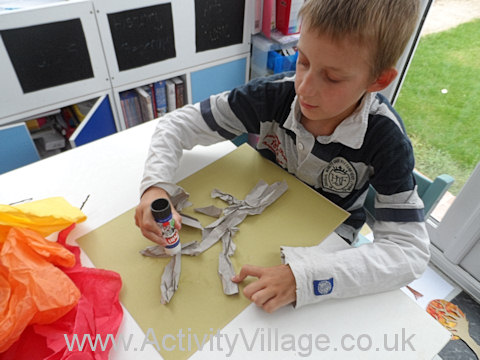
<point x="261" y="196"/>
<point x="225" y="267"/>
<point x="211" y="210"/>
<point x="170" y="278"/>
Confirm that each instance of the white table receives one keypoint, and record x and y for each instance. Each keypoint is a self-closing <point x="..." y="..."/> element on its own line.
<point x="109" y="172"/>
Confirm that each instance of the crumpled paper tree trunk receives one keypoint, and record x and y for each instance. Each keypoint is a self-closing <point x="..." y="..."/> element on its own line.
<point x="261" y="196"/>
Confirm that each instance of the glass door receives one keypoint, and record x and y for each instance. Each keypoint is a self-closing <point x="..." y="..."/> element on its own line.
<point x="438" y="102"/>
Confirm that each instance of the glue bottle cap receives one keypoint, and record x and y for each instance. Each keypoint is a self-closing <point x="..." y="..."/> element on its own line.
<point x="161" y="209"/>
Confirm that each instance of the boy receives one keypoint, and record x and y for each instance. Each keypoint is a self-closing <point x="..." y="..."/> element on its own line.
<point x="327" y="125"/>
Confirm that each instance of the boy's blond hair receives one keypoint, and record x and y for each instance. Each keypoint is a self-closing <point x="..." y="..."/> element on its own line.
<point x="385" y="26"/>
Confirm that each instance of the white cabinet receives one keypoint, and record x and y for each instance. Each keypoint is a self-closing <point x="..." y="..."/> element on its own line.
<point x="148" y="41"/>
<point x="55" y="54"/>
<point x="51" y="56"/>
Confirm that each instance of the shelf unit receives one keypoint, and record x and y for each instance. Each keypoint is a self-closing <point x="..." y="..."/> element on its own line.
<point x="114" y="15"/>
<point x="106" y="40"/>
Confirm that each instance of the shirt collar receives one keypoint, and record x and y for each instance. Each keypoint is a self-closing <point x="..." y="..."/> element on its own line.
<point x="350" y="132"/>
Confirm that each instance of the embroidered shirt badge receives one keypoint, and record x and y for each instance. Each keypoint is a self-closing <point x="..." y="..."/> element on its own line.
<point x="322" y="287"/>
<point x="339" y="176"/>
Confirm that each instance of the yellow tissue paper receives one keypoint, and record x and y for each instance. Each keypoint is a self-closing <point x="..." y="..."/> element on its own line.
<point x="43" y="216"/>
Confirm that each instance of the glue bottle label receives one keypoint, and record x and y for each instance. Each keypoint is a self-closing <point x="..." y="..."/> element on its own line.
<point x="162" y="214"/>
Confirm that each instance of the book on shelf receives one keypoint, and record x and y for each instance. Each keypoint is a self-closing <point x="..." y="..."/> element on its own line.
<point x="151" y="88"/>
<point x="171" y="95"/>
<point x="268" y="17"/>
<point x="131" y="109"/>
<point x="160" y="97"/>
<point x="148" y="102"/>
<point x="125" y="108"/>
<point x="145" y="100"/>
<point x="258" y="16"/>
<point x="287" y="16"/>
<point x="179" y="92"/>
<point x="138" y="110"/>
<point x="153" y="104"/>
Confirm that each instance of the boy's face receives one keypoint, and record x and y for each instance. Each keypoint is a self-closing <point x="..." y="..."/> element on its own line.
<point x="331" y="78"/>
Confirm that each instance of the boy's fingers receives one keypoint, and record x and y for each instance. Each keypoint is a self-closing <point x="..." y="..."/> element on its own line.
<point x="260" y="297"/>
<point x="151" y="231"/>
<point x="254" y="291"/>
<point x="248" y="270"/>
<point x="154" y="237"/>
<point x="273" y="305"/>
<point x="178" y="219"/>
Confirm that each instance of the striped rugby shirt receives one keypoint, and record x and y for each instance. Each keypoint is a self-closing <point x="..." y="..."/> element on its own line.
<point x="368" y="147"/>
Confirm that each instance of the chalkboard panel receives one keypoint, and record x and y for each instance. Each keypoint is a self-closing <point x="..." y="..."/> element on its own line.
<point x="48" y="55"/>
<point x="142" y="36"/>
<point x="218" y="23"/>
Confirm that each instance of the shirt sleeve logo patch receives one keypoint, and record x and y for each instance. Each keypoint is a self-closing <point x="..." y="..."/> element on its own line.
<point x="322" y="287"/>
<point x="339" y="176"/>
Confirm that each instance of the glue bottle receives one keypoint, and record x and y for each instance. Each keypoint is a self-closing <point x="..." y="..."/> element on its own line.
<point x="162" y="213"/>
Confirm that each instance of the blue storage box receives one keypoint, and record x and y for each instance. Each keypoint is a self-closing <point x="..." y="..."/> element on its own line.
<point x="279" y="63"/>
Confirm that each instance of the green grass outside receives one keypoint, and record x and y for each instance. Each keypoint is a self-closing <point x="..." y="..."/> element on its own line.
<point x="444" y="127"/>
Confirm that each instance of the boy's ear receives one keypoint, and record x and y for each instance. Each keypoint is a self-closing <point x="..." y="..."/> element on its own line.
<point x="383" y="80"/>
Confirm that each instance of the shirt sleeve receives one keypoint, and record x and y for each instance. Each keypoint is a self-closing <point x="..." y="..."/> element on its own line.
<point x="398" y="255"/>
<point x="220" y="117"/>
<point x="400" y="251"/>
<point x="183" y="129"/>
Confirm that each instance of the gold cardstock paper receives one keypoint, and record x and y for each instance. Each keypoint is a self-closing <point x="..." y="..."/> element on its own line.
<point x="199" y="308"/>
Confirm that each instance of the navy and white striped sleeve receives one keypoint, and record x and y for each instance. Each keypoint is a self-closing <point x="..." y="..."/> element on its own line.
<point x="393" y="163"/>
<point x="244" y="108"/>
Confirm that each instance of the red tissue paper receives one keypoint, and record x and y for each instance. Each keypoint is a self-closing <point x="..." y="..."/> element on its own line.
<point x="96" y="316"/>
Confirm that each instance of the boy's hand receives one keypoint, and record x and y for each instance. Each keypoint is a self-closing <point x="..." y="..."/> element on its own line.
<point x="144" y="219"/>
<point x="275" y="287"/>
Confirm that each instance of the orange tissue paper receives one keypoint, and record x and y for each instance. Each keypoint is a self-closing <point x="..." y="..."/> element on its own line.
<point x="33" y="289"/>
<point x="96" y="311"/>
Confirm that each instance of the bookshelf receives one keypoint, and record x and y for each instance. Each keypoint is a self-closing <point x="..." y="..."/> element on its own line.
<point x="199" y="82"/>
<point x="97" y="51"/>
<point x="195" y="36"/>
